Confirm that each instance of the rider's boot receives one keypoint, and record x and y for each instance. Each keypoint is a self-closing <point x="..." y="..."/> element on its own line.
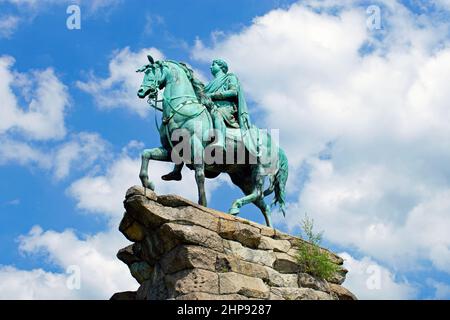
<point x="175" y="175"/>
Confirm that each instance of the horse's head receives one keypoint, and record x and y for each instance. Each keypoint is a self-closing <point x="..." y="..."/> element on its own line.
<point x="153" y="78"/>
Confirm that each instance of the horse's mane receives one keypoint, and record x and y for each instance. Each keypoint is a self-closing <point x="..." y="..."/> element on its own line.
<point x="199" y="87"/>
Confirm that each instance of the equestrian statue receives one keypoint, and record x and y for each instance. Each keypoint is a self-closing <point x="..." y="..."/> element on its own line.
<point x="208" y="129"/>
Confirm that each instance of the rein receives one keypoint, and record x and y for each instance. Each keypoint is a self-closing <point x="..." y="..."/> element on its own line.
<point x="154" y="103"/>
<point x="175" y="110"/>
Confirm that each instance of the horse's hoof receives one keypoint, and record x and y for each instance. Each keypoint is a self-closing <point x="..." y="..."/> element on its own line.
<point x="150" y="185"/>
<point x="202" y="203"/>
<point x="234" y="211"/>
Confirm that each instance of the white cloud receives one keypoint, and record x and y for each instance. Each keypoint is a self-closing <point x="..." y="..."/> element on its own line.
<point x="444" y="4"/>
<point x="82" y="151"/>
<point x="95" y="5"/>
<point x="28" y="10"/>
<point x="101" y="274"/>
<point x="370" y="281"/>
<point x="13" y="151"/>
<point x="8" y="24"/>
<point x="385" y="190"/>
<point x="33" y="284"/>
<point x="33" y="110"/>
<point x="383" y="109"/>
<point x="442" y="290"/>
<point x="105" y="193"/>
<point x="34" y="105"/>
<point x="120" y="88"/>
<point x="46" y="98"/>
<point x="381" y="213"/>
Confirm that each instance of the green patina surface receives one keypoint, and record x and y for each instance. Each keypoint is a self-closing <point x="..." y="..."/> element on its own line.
<point x="218" y="107"/>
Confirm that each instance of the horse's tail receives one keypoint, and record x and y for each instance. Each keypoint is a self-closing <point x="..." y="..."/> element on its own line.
<point x="279" y="183"/>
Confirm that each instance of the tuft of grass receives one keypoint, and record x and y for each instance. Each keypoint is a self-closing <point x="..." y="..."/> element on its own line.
<point x="311" y="257"/>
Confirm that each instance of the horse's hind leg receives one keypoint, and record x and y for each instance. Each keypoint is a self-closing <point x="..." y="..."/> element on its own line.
<point x="265" y="209"/>
<point x="200" y="180"/>
<point x="257" y="193"/>
<point x="159" y="154"/>
<point x="237" y="204"/>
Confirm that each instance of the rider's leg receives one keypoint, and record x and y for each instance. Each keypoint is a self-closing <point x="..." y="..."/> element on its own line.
<point x="219" y="129"/>
<point x="175" y="174"/>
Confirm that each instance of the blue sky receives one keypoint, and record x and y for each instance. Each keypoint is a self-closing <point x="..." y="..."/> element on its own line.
<point x="357" y="160"/>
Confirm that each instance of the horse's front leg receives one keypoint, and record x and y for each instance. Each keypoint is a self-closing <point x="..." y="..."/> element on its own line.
<point x="159" y="154"/>
<point x="199" y="166"/>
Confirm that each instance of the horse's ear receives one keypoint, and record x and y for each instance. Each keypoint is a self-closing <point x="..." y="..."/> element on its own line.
<point x="150" y="59"/>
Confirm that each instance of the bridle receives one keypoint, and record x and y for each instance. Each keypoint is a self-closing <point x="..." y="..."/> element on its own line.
<point x="153" y="101"/>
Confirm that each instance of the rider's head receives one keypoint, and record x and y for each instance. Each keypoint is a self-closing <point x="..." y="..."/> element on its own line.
<point x="222" y="64"/>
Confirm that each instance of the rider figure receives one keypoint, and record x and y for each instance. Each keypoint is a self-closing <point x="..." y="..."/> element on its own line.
<point x="230" y="108"/>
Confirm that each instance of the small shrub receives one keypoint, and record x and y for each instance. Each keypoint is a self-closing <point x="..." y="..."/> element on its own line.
<point x="312" y="259"/>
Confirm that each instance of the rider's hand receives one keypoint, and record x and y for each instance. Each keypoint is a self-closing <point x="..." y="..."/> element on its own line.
<point x="216" y="96"/>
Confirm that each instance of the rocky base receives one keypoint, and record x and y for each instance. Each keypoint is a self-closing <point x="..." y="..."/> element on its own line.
<point x="185" y="251"/>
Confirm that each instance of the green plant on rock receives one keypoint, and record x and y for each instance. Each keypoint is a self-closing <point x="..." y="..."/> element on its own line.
<point x="314" y="260"/>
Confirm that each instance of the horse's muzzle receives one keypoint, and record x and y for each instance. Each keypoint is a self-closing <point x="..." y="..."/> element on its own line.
<point x="142" y="93"/>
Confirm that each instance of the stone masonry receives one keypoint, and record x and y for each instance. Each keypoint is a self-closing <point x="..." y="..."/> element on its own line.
<point x="182" y="250"/>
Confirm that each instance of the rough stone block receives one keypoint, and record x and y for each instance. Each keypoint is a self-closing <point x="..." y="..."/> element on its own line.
<point x="245" y="234"/>
<point x="298" y="294"/>
<point x="285" y="263"/>
<point x="209" y="296"/>
<point x="226" y="263"/>
<point x="132" y="230"/>
<point x="186" y="251"/>
<point x="276" y="279"/>
<point x="251" y="255"/>
<point x="251" y="287"/>
<point x="341" y="292"/>
<point x="267" y="243"/>
<point x="192" y="280"/>
<point x="307" y="281"/>
<point x="192" y="234"/>
<point x="188" y="257"/>
<point x="127" y="256"/>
